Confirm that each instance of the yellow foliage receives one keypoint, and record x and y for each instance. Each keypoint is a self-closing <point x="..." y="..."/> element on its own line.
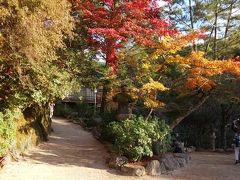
<point x="152" y="104"/>
<point x="27" y="32"/>
<point x="199" y="69"/>
<point x="171" y="45"/>
<point x="146" y="66"/>
<point x="154" y="86"/>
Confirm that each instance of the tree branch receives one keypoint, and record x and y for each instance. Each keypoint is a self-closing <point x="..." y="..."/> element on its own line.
<point x="190" y="111"/>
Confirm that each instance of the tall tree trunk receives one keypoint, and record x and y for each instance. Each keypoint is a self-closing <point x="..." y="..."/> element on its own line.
<point x="229" y="19"/>
<point x="226" y="114"/>
<point x="104" y="98"/>
<point x="215" y="33"/>
<point x="223" y="124"/>
<point x="190" y="111"/>
<point x="192" y="22"/>
<point x="209" y="38"/>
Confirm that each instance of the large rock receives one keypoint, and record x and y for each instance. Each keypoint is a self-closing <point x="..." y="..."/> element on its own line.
<point x="133" y="170"/>
<point x="183" y="155"/>
<point x="168" y="165"/>
<point x="116" y="162"/>
<point x="170" y="162"/>
<point x="154" y="168"/>
<point x="163" y="168"/>
<point x="181" y="161"/>
<point x="175" y="162"/>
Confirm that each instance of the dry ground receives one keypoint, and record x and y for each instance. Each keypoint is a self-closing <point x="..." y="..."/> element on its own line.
<point x="73" y="154"/>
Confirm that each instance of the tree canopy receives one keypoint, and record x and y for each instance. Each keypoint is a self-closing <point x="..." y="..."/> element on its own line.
<point x="110" y="24"/>
<point x="31" y="33"/>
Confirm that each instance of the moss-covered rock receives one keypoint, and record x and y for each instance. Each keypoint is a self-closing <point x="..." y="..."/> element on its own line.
<point x="32" y="127"/>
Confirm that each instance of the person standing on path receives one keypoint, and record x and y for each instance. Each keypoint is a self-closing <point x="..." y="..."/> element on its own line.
<point x="236" y="140"/>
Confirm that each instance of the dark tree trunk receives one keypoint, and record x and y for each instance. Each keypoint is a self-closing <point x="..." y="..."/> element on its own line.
<point x="192" y="22"/>
<point x="190" y="111"/>
<point x="215" y="33"/>
<point x="226" y="114"/>
<point x="229" y="19"/>
<point x="104" y="99"/>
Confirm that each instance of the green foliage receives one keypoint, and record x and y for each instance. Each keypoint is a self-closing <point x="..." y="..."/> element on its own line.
<point x="222" y="38"/>
<point x="135" y="136"/>
<point x="84" y="110"/>
<point x="84" y="66"/>
<point x="7" y="129"/>
<point x="106" y="132"/>
<point x="109" y="116"/>
<point x="63" y="110"/>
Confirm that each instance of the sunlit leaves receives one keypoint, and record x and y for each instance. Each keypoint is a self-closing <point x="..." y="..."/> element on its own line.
<point x="199" y="69"/>
<point x="31" y="34"/>
<point x="153" y="85"/>
<point x="110" y="24"/>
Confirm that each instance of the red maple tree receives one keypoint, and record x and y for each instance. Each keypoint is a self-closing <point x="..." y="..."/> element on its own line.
<point x="111" y="23"/>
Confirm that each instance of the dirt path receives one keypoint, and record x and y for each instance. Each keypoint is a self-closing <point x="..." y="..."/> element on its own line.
<point x="210" y="166"/>
<point x="73" y="154"/>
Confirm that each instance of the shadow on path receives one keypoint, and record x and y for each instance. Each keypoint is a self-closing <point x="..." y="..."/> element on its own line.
<point x="70" y="145"/>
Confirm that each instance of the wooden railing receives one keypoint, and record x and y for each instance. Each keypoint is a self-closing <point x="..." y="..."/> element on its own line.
<point x="85" y="95"/>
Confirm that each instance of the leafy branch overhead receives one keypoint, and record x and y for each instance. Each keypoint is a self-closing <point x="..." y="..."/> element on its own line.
<point x="110" y="24"/>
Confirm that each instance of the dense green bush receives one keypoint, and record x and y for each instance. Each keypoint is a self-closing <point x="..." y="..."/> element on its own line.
<point x="106" y="132"/>
<point x="62" y="110"/>
<point x="7" y="130"/>
<point x="84" y="110"/>
<point x="109" y="116"/>
<point x="135" y="137"/>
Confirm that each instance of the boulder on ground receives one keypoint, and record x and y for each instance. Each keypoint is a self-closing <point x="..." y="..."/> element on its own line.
<point x="154" y="168"/>
<point x="181" y="161"/>
<point x="163" y="168"/>
<point x="116" y="162"/>
<point x="133" y="170"/>
<point x="170" y="162"/>
<point x="183" y="155"/>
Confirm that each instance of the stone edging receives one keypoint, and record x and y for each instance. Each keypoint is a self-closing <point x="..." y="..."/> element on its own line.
<point x="160" y="166"/>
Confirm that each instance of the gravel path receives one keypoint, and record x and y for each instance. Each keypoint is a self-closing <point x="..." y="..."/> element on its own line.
<point x="73" y="154"/>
